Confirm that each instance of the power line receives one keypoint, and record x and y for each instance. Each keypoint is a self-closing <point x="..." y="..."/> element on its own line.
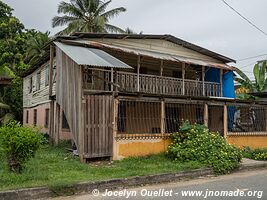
<point x="248" y="58"/>
<point x="246" y="65"/>
<point x="252" y="24"/>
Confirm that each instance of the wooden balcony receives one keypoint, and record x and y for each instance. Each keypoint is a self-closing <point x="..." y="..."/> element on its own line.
<point x="125" y="82"/>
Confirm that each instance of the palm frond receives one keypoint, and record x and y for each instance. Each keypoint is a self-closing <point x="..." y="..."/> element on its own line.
<point x="101" y="9"/>
<point x="113" y="13"/>
<point x="113" y="29"/>
<point x="4" y="106"/>
<point x="62" y="20"/>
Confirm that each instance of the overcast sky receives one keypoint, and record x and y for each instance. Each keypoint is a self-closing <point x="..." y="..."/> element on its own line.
<point x="208" y="23"/>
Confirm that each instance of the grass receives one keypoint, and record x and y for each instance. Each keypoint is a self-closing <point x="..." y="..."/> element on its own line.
<point x="54" y="167"/>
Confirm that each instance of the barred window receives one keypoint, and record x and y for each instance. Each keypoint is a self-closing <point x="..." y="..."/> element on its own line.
<point x="34" y="116"/>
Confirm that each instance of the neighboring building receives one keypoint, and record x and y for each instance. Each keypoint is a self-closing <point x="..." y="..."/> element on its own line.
<point x="119" y="95"/>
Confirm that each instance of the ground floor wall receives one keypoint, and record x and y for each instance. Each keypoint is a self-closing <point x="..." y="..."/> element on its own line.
<point x="139" y="147"/>
<point x="40" y="116"/>
<point x="252" y="141"/>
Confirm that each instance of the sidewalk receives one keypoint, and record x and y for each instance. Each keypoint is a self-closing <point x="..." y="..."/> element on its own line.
<point x="88" y="187"/>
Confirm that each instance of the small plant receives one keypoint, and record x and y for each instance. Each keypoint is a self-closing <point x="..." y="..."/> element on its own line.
<point x="18" y="144"/>
<point x="257" y="154"/>
<point x="197" y="143"/>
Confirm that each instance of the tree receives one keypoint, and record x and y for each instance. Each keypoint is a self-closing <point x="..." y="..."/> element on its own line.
<point x="260" y="84"/>
<point x="35" y="46"/>
<point x="86" y="16"/>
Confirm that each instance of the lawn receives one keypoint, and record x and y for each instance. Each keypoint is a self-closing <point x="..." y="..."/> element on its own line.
<point x="54" y="166"/>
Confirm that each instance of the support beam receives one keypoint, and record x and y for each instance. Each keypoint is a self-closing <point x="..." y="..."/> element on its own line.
<point x="183" y="77"/>
<point x="112" y="79"/>
<point x="161" y="67"/>
<point x="206" y="115"/>
<point x="221" y="82"/>
<point x="225" y="121"/>
<point x="203" y="81"/>
<point x="52" y="102"/>
<point x="138" y="72"/>
<point x="51" y="122"/>
<point x="81" y="124"/>
<point x="51" y="66"/>
<point x="57" y="124"/>
<point x="116" y="80"/>
<point x="162" y="117"/>
<point x="115" y="128"/>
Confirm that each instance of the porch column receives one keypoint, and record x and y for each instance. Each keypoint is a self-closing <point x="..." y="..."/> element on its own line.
<point x="206" y="115"/>
<point x="116" y="80"/>
<point x="112" y="81"/>
<point x="52" y="108"/>
<point x="162" y="117"/>
<point x="161" y="67"/>
<point x="183" y="77"/>
<point x="57" y="124"/>
<point x="138" y="73"/>
<point x="221" y="82"/>
<point x="225" y="121"/>
<point x="203" y="81"/>
<point x="115" y="128"/>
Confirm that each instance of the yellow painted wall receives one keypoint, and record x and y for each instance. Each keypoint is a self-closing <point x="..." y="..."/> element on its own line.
<point x="128" y="148"/>
<point x="253" y="141"/>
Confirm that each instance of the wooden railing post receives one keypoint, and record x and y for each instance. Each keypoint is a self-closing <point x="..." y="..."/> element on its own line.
<point x="225" y="121"/>
<point x="203" y="80"/>
<point x="221" y="82"/>
<point x="112" y="81"/>
<point x="115" y="128"/>
<point x="183" y="77"/>
<point x="162" y="118"/>
<point x="138" y="73"/>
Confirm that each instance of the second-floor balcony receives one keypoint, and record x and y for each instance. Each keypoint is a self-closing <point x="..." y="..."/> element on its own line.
<point x="99" y="80"/>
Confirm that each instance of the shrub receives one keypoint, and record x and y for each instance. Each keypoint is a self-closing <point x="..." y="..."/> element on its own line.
<point x="18" y="144"/>
<point x="197" y="143"/>
<point x="257" y="154"/>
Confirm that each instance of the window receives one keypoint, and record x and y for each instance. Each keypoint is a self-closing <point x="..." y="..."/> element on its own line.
<point x="38" y="81"/>
<point x="27" y="117"/>
<point x="47" y="75"/>
<point x="46" y="118"/>
<point x="30" y="85"/>
<point x="34" y="116"/>
<point x="54" y="73"/>
<point x="65" y="124"/>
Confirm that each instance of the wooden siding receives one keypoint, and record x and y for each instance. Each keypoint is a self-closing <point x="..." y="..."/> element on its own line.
<point x="98" y="136"/>
<point x="157" y="45"/>
<point x="69" y="94"/>
<point x="36" y="97"/>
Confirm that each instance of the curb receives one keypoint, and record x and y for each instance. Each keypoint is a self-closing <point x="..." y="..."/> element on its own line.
<point x="113" y="184"/>
<point x="88" y="187"/>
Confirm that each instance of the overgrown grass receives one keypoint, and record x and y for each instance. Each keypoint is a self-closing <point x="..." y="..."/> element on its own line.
<point x="55" y="167"/>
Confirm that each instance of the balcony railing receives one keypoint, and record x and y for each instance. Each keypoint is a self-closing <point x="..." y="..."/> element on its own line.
<point x="104" y="80"/>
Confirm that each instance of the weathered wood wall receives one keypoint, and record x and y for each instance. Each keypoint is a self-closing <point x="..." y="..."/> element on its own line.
<point x="69" y="94"/>
<point x="36" y="97"/>
<point x="98" y="138"/>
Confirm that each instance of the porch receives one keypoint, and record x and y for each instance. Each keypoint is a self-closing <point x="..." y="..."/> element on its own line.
<point x="101" y="80"/>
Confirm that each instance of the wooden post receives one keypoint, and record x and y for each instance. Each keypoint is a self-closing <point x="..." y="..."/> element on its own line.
<point x="112" y="81"/>
<point x="183" y="77"/>
<point x="203" y="81"/>
<point x="221" y="82"/>
<point x="225" y="121"/>
<point x="115" y="129"/>
<point x="81" y="123"/>
<point x="52" y="102"/>
<point x="116" y="80"/>
<point x="161" y="67"/>
<point x="162" y="118"/>
<point x="57" y="124"/>
<point x="206" y="115"/>
<point x="138" y="73"/>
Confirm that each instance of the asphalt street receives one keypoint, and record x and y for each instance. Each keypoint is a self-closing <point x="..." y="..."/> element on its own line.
<point x="247" y="185"/>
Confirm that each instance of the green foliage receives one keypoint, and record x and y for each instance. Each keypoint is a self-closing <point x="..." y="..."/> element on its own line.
<point x="18" y="144"/>
<point x="196" y="143"/>
<point x="260" y="83"/>
<point x="257" y="154"/>
<point x="86" y="16"/>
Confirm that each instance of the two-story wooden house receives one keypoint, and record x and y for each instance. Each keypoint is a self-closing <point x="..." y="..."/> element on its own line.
<point x="119" y="95"/>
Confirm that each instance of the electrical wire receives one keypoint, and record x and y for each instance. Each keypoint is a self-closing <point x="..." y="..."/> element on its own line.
<point x="251" y="23"/>
<point x="248" y="58"/>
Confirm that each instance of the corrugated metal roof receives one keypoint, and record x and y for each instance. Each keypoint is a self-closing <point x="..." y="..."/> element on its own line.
<point x="158" y="55"/>
<point x="90" y="56"/>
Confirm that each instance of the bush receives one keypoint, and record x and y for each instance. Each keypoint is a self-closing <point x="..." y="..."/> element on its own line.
<point x="18" y="144"/>
<point x="197" y="143"/>
<point x="257" y="154"/>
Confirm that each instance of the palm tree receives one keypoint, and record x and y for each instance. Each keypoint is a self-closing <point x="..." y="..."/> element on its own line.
<point x="260" y="83"/>
<point x="86" y="16"/>
<point x="35" y="46"/>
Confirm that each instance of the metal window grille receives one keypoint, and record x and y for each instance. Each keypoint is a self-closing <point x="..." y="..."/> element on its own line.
<point x="246" y="118"/>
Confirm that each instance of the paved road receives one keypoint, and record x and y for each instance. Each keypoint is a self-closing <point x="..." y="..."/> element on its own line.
<point x="253" y="184"/>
